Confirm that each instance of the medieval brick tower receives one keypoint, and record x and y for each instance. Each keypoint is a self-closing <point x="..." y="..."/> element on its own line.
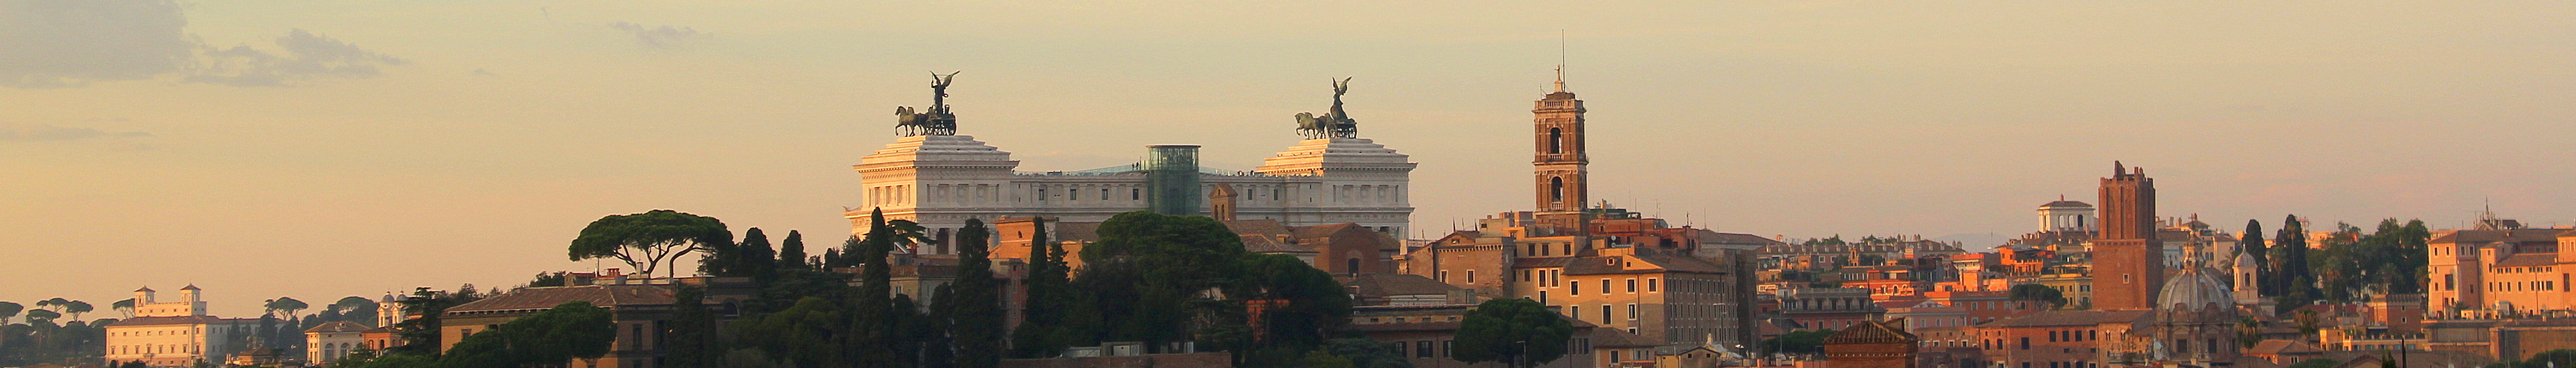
<point x="1560" y="160"/>
<point x="2128" y="261"/>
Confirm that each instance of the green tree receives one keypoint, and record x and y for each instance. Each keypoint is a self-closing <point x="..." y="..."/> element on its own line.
<point x="2037" y="292"/>
<point x="692" y="340"/>
<point x="76" y="308"/>
<point x="45" y="316"/>
<point x="1322" y="359"/>
<point x="1511" y="330"/>
<point x="813" y="330"/>
<point x="1798" y="342"/>
<point x="791" y="252"/>
<point x="921" y="340"/>
<point x="355" y="310"/>
<point x="873" y="318"/>
<point x="1517" y="332"/>
<point x="10" y="310"/>
<point x="1366" y="353"/>
<point x="572" y="330"/>
<point x="1038" y="335"/>
<point x="420" y="336"/>
<point x="1315" y="305"/>
<point x="284" y="304"/>
<point x="123" y="307"/>
<point x="647" y="240"/>
<point x="2252" y="246"/>
<point x="976" y="318"/>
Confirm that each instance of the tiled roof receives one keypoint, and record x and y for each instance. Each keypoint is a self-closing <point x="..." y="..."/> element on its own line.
<point x="1873" y="332"/>
<point x="2278" y="347"/>
<point x="2071" y="318"/>
<point x="1256" y="227"/>
<point x="2514" y="235"/>
<point x="1541" y="262"/>
<point x="1380" y="285"/>
<point x="1707" y="236"/>
<point x="337" y="327"/>
<point x="1076" y="231"/>
<point x="2528" y="259"/>
<point x="549" y="297"/>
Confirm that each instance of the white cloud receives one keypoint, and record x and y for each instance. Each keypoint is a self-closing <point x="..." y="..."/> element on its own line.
<point x="69" y="43"/>
<point x="660" y="37"/>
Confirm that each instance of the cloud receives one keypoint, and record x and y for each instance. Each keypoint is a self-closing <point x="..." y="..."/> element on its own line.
<point x="660" y="37"/>
<point x="69" y="43"/>
<point x="45" y="133"/>
<point x="302" y="56"/>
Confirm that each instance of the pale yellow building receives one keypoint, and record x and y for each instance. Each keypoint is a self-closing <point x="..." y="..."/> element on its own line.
<point x="329" y="342"/>
<point x="170" y="334"/>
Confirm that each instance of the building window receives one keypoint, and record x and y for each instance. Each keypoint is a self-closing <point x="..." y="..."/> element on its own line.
<point x="1634" y="312"/>
<point x="1632" y="285"/>
<point x="1422" y="348"/>
<point x="1574" y="288"/>
<point x="1556" y="189"/>
<point x="1650" y="285"/>
<point x="1555" y="141"/>
<point x="1605" y="286"/>
<point x="1399" y="348"/>
<point x="1605" y="314"/>
<point x="1444" y="276"/>
<point x="1471" y="274"/>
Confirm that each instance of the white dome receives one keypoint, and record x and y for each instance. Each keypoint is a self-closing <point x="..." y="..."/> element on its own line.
<point x="2193" y="289"/>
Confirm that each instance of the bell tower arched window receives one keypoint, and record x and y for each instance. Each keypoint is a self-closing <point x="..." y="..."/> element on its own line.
<point x="1556" y="188"/>
<point x="1555" y="140"/>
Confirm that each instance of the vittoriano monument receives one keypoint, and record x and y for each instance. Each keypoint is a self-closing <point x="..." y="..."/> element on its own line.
<point x="938" y="121"/>
<point x="1335" y="123"/>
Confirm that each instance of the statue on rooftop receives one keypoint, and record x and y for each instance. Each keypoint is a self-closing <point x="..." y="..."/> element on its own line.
<point x="1334" y="123"/>
<point x="936" y="121"/>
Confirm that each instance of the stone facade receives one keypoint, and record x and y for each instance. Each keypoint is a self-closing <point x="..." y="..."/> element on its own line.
<point x="940" y="181"/>
<point x="175" y="333"/>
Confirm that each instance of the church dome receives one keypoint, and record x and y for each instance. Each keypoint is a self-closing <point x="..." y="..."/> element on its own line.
<point x="2194" y="289"/>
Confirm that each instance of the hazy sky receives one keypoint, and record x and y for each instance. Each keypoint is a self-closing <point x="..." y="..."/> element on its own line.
<point x="320" y="149"/>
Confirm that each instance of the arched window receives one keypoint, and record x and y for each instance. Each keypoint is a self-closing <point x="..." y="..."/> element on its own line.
<point x="1351" y="265"/>
<point x="1555" y="140"/>
<point x="1556" y="189"/>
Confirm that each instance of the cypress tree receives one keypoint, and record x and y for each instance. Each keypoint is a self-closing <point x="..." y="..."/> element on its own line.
<point x="2251" y="244"/>
<point x="791" y="253"/>
<point x="1046" y="300"/>
<point x="976" y="315"/>
<point x="932" y="331"/>
<point x="693" y="341"/>
<point x="755" y="257"/>
<point x="872" y="315"/>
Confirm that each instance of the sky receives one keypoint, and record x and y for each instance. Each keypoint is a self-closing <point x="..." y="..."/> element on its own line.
<point x="321" y="149"/>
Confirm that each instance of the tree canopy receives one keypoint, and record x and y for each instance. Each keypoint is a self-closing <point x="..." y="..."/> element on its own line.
<point x="574" y="329"/>
<point x="647" y="240"/>
<point x="2037" y="292"/>
<point x="1511" y="330"/>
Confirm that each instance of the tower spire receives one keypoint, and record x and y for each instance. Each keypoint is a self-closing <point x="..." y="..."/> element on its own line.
<point x="1560" y="61"/>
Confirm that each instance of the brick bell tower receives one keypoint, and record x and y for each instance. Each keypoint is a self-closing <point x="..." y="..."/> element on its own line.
<point x="2129" y="264"/>
<point x="1560" y="160"/>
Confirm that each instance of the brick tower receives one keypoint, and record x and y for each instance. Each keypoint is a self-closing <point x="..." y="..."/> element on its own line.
<point x="1560" y="160"/>
<point x="2128" y="263"/>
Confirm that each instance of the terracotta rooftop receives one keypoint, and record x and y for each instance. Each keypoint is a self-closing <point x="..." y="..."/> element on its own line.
<point x="2278" y="347"/>
<point x="337" y="327"/>
<point x="1379" y="285"/>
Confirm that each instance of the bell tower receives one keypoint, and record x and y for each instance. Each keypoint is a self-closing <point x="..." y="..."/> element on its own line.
<point x="1562" y="179"/>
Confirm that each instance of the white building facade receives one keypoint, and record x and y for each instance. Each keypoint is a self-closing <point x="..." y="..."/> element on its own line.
<point x="940" y="181"/>
<point x="176" y="333"/>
